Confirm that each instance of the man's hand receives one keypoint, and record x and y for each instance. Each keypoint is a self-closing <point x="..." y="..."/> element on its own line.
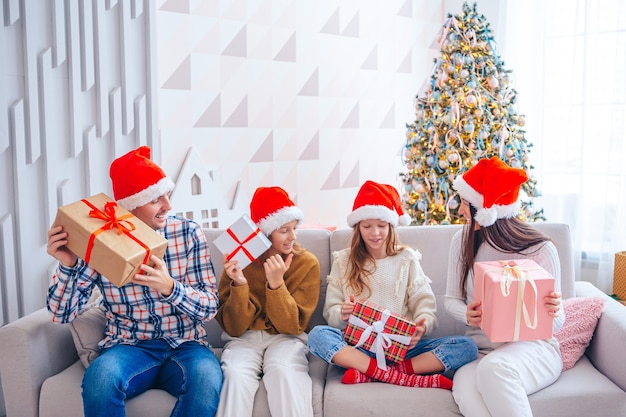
<point x="57" y="239"/>
<point x="156" y="277"/>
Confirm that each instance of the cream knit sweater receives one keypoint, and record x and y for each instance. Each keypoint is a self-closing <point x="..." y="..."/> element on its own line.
<point x="399" y="284"/>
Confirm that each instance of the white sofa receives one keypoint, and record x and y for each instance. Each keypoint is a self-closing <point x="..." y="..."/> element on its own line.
<point x="41" y="373"/>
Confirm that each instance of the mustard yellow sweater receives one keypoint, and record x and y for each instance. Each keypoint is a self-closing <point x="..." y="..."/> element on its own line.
<point x="285" y="310"/>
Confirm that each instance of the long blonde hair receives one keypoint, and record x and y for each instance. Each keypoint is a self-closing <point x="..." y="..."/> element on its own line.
<point x="361" y="265"/>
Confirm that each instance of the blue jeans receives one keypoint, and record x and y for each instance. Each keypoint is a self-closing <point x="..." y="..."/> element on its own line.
<point x="452" y="351"/>
<point x="191" y="373"/>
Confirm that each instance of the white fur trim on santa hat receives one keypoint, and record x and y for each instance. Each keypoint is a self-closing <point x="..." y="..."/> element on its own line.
<point x="277" y="219"/>
<point x="468" y="193"/>
<point x="484" y="216"/>
<point x="379" y="212"/>
<point x="143" y="197"/>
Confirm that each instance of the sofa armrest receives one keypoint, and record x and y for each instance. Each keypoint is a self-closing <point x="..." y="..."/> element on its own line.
<point x="32" y="349"/>
<point x="606" y="350"/>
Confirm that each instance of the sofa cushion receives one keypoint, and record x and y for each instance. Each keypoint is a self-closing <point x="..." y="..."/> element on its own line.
<point x="87" y="330"/>
<point x="581" y="318"/>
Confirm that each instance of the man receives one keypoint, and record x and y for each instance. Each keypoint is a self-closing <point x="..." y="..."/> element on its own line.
<point x="154" y="336"/>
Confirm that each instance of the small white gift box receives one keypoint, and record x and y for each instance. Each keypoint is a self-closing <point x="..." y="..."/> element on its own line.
<point x="243" y="241"/>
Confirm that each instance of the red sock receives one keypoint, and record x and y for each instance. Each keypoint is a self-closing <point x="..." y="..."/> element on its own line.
<point x="393" y="376"/>
<point x="406" y="367"/>
<point x="352" y="376"/>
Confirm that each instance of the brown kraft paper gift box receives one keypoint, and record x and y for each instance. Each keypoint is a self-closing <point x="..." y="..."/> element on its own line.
<point x="117" y="242"/>
<point x="619" y="275"/>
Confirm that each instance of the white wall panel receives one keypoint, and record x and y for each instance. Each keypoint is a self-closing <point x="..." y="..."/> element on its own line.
<point x="63" y="73"/>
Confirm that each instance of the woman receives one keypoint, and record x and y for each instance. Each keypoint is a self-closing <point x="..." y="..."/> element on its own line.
<point x="499" y="381"/>
<point x="379" y="269"/>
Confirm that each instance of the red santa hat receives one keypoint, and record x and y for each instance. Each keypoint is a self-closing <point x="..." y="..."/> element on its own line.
<point x="137" y="180"/>
<point x="378" y="201"/>
<point x="271" y="208"/>
<point x="492" y="187"/>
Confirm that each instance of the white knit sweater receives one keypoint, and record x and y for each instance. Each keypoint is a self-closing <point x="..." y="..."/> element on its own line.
<point x="399" y="284"/>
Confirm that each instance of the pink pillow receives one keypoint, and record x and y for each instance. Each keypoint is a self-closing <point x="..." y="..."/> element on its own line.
<point x="581" y="318"/>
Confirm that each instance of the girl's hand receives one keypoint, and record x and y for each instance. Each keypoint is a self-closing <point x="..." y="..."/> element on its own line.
<point x="474" y="314"/>
<point x="346" y="308"/>
<point x="233" y="271"/>
<point x="275" y="269"/>
<point x="553" y="303"/>
<point x="419" y="332"/>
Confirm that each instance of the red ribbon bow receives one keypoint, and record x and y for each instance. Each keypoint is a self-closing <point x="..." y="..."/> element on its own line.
<point x="112" y="222"/>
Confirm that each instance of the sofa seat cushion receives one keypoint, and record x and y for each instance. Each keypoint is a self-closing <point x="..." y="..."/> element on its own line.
<point x="580" y="391"/>
<point x="380" y="399"/>
<point x="61" y="397"/>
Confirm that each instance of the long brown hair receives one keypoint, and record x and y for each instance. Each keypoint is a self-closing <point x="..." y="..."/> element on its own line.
<point x="508" y="235"/>
<point x="361" y="265"/>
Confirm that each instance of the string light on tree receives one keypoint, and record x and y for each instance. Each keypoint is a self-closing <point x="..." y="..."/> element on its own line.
<point x="467" y="112"/>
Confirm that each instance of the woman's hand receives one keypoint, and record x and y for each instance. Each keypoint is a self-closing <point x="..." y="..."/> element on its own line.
<point x="474" y="314"/>
<point x="553" y="303"/>
<point x="346" y="308"/>
<point x="233" y="271"/>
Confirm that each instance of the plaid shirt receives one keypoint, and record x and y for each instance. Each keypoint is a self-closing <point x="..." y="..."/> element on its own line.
<point x="136" y="312"/>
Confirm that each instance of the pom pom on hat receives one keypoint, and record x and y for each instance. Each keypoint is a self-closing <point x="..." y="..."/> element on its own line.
<point x="137" y="180"/>
<point x="378" y="201"/>
<point x="492" y="187"/>
<point x="271" y="208"/>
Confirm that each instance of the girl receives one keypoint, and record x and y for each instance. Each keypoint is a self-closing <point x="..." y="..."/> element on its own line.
<point x="265" y="310"/>
<point x="379" y="269"/>
<point x="498" y="384"/>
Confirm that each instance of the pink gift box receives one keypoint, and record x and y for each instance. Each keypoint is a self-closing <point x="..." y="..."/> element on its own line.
<point x="512" y="294"/>
<point x="243" y="241"/>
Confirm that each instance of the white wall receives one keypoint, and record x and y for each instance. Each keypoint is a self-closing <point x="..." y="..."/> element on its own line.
<point x="310" y="96"/>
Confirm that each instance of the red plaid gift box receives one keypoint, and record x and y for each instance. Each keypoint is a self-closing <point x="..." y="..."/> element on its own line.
<point x="512" y="293"/>
<point x="380" y="331"/>
<point x="243" y="241"/>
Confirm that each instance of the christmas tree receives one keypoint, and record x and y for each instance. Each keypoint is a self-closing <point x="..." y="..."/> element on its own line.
<point x="467" y="112"/>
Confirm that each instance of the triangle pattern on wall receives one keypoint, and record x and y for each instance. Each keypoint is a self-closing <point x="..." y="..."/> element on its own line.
<point x="331" y="26"/>
<point x="288" y="51"/>
<point x="332" y="181"/>
<point x="212" y="116"/>
<point x="406" y="10"/>
<point x="352" y="29"/>
<point x="176" y="6"/>
<point x="371" y="62"/>
<point x="239" y="117"/>
<point x="181" y="77"/>
<point x="352" y="121"/>
<point x="312" y="151"/>
<point x="311" y="87"/>
<point x="265" y="153"/>
<point x="352" y="180"/>
<point x="238" y="45"/>
<point x="388" y="121"/>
